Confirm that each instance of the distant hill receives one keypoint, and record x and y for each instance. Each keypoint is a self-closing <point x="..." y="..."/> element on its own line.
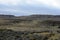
<point x="7" y="16"/>
<point x="32" y="17"/>
<point x="40" y="17"/>
<point x="32" y="20"/>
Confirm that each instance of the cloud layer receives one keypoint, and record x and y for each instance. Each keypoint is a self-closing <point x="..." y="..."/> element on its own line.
<point x="28" y="7"/>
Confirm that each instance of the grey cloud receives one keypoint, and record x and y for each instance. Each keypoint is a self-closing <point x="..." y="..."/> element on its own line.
<point x="28" y="9"/>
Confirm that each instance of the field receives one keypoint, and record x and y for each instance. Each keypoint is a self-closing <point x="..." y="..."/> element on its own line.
<point x="30" y="28"/>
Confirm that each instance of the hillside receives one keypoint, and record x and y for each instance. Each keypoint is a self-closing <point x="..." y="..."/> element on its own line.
<point x="33" y="27"/>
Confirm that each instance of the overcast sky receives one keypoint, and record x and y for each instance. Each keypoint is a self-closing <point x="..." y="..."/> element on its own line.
<point x="28" y="7"/>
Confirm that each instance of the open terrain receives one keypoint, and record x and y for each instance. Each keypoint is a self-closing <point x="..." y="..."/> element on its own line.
<point x="33" y="27"/>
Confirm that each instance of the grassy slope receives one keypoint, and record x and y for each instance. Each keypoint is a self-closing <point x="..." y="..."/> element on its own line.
<point x="31" y="26"/>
